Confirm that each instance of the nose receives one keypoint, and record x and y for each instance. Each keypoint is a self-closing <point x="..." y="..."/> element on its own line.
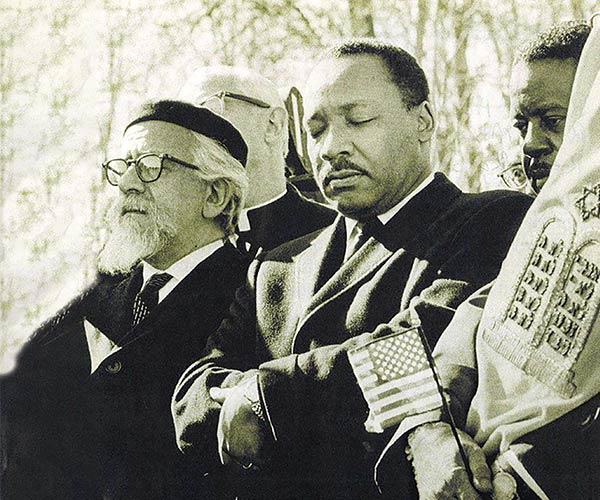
<point x="130" y="182"/>
<point x="536" y="143"/>
<point x="336" y="143"/>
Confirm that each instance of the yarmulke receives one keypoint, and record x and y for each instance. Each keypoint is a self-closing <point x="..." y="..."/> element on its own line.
<point x="201" y="120"/>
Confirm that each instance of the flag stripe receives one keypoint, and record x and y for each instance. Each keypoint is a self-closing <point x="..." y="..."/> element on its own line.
<point x="426" y="403"/>
<point x="392" y="418"/>
<point x="400" y="399"/>
<point x="395" y="377"/>
<point x="400" y="384"/>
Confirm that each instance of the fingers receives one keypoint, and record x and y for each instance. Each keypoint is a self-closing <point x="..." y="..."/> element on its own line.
<point x="461" y="486"/>
<point x="218" y="394"/>
<point x="482" y="476"/>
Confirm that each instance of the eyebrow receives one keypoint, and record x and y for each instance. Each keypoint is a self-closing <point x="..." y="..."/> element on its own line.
<point x="539" y="108"/>
<point x="344" y="108"/>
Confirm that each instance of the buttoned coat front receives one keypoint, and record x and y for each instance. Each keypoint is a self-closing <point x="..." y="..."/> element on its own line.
<point x="74" y="435"/>
<point x="302" y="310"/>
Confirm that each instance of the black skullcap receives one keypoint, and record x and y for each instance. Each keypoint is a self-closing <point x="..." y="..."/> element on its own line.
<point x="201" y="120"/>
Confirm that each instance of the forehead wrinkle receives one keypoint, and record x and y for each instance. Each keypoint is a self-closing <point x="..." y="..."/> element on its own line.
<point x="158" y="137"/>
<point x="530" y="106"/>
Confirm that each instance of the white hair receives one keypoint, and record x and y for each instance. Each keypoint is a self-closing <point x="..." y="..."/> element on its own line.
<point x="131" y="239"/>
<point x="214" y="163"/>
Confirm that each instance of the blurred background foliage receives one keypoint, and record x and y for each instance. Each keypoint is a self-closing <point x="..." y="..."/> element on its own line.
<point x="71" y="71"/>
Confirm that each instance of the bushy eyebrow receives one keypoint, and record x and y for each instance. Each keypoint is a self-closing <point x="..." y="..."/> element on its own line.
<point x="538" y="109"/>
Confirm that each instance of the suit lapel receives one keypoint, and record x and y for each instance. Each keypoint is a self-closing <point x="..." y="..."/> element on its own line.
<point x="354" y="271"/>
<point x="314" y="265"/>
<point x="195" y="291"/>
<point x="112" y="314"/>
<point x="402" y="234"/>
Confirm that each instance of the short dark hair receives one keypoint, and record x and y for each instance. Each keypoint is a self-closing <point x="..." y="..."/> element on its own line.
<point x="561" y="41"/>
<point x="404" y="70"/>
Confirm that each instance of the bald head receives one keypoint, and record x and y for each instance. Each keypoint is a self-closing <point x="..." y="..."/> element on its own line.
<point x="212" y="79"/>
<point x="253" y="104"/>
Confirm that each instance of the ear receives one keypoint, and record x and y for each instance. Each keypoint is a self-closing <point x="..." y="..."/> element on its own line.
<point x="218" y="195"/>
<point x="277" y="121"/>
<point x="426" y="123"/>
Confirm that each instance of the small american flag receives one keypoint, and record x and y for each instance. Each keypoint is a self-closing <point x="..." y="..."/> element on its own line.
<point x="394" y="375"/>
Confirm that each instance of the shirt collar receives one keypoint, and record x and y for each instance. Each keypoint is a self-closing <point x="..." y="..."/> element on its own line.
<point x="389" y="215"/>
<point x="244" y="221"/>
<point x="185" y="265"/>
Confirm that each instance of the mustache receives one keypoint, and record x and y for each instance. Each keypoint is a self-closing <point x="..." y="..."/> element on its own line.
<point x="345" y="164"/>
<point x="132" y="203"/>
<point x="340" y="165"/>
<point x="536" y="169"/>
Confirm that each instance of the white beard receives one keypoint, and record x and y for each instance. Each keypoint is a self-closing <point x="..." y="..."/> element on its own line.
<point x="133" y="236"/>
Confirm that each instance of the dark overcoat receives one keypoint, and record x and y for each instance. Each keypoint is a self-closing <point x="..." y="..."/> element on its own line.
<point x="74" y="435"/>
<point x="299" y="313"/>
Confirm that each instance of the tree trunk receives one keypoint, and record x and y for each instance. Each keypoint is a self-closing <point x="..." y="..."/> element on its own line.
<point x="361" y="17"/>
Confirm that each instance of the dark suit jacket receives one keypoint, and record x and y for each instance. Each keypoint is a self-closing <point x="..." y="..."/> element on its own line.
<point x="441" y="246"/>
<point x="565" y="455"/>
<point x="72" y="435"/>
<point x="286" y="219"/>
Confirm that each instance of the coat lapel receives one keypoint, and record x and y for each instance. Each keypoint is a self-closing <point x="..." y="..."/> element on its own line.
<point x="318" y="262"/>
<point x="401" y="235"/>
<point x="112" y="314"/>
<point x="354" y="271"/>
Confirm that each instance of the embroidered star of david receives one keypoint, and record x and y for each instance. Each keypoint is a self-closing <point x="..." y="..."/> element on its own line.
<point x="589" y="202"/>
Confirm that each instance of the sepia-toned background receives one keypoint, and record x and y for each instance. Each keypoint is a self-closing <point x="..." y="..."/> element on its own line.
<point x="71" y="70"/>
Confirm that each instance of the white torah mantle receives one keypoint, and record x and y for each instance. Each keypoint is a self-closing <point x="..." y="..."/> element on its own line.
<point x="538" y="342"/>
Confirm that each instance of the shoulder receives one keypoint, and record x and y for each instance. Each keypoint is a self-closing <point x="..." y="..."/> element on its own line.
<point x="487" y="211"/>
<point x="323" y="214"/>
<point x="495" y="200"/>
<point x="75" y="309"/>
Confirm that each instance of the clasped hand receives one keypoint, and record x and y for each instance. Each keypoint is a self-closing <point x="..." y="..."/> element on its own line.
<point x="439" y="470"/>
<point x="242" y="437"/>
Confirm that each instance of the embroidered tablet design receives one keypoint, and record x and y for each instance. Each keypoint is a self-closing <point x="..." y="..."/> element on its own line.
<point x="568" y="320"/>
<point x="543" y="327"/>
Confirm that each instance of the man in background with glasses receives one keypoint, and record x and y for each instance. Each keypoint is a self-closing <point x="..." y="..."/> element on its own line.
<point x="86" y="412"/>
<point x="540" y="90"/>
<point x="275" y="212"/>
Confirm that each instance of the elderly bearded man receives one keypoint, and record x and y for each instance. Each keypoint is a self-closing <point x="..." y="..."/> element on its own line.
<point x="86" y="413"/>
<point x="291" y="404"/>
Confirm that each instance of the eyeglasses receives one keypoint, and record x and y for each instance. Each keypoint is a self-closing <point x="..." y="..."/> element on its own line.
<point x="148" y="167"/>
<point x="514" y="175"/>
<point x="219" y="97"/>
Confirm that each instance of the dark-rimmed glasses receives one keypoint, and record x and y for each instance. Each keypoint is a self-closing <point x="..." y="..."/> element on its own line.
<point x="220" y="98"/>
<point x="148" y="167"/>
<point x="514" y="175"/>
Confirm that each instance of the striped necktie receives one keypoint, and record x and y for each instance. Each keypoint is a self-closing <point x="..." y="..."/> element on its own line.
<point x="147" y="298"/>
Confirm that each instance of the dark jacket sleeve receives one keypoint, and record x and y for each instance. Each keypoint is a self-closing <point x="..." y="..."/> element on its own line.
<point x="316" y="393"/>
<point x="228" y="357"/>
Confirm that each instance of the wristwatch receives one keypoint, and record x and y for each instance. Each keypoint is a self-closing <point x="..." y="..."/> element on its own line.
<point x="253" y="397"/>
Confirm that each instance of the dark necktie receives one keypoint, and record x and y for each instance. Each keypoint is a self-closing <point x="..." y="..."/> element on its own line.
<point x="367" y="229"/>
<point x="147" y="298"/>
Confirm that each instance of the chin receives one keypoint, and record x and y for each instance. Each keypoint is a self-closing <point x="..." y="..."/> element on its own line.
<point x="539" y="184"/>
